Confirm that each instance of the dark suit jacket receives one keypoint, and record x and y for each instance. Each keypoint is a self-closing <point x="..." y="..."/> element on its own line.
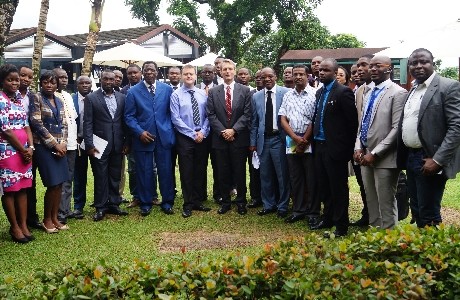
<point x="438" y="125"/>
<point x="144" y="114"/>
<point x="340" y="121"/>
<point x="241" y="115"/>
<point x="97" y="120"/>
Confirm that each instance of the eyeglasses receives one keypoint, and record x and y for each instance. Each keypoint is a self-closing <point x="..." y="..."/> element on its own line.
<point x="207" y="72"/>
<point x="378" y="66"/>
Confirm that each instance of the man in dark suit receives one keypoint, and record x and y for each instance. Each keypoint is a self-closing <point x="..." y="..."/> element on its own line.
<point x="148" y="116"/>
<point x="229" y="113"/>
<point x="81" y="160"/>
<point x="334" y="131"/>
<point x="103" y="117"/>
<point x="429" y="137"/>
<point x="268" y="139"/>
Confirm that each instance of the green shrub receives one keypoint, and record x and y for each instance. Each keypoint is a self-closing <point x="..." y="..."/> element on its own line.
<point x="405" y="263"/>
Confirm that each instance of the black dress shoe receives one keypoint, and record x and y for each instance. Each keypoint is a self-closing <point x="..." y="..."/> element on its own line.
<point x="294" y="218"/>
<point x="30" y="237"/>
<point x="78" y="214"/>
<point x="201" y="208"/>
<point x="264" y="211"/>
<point x="321" y="225"/>
<point x="115" y="210"/>
<point x="255" y="203"/>
<point x="168" y="210"/>
<point x="282" y="214"/>
<point x="145" y="211"/>
<point x="223" y="209"/>
<point x="35" y="224"/>
<point x="99" y="215"/>
<point x="23" y="240"/>
<point x="337" y="233"/>
<point x="62" y="220"/>
<point x="186" y="213"/>
<point x="360" y="223"/>
<point x="218" y="200"/>
<point x="312" y="221"/>
<point x="242" y="210"/>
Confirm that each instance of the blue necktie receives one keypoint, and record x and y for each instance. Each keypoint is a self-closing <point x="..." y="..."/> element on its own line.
<point x="367" y="117"/>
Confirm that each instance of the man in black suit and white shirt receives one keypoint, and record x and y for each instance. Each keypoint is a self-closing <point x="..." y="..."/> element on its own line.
<point x="103" y="117"/>
<point x="229" y="113"/>
<point x="334" y="131"/>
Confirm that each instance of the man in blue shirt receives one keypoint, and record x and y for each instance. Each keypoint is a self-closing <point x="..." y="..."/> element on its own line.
<point x="188" y="115"/>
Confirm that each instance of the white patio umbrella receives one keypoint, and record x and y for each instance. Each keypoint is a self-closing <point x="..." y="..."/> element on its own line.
<point x="443" y="42"/>
<point x="130" y="53"/>
<point x="205" y="59"/>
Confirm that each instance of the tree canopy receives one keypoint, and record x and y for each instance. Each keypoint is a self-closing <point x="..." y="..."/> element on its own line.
<point x="248" y="30"/>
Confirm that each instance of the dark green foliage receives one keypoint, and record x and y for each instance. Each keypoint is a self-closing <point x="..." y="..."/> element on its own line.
<point x="405" y="263"/>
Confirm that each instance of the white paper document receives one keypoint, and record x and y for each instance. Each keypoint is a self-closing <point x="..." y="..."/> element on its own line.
<point x="99" y="143"/>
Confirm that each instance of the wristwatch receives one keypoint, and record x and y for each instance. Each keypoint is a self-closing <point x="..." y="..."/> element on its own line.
<point x="32" y="147"/>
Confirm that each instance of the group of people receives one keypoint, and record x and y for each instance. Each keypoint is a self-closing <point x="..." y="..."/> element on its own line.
<point x="298" y="140"/>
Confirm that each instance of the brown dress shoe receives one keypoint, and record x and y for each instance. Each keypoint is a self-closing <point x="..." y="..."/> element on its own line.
<point x="133" y="203"/>
<point x="156" y="202"/>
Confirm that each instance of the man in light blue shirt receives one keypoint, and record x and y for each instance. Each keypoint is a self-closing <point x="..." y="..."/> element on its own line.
<point x="188" y="115"/>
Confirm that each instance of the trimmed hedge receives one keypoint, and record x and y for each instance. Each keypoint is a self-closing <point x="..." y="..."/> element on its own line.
<point x="405" y="263"/>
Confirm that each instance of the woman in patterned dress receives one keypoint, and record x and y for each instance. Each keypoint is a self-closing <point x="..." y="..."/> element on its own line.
<point x="50" y="135"/>
<point x="16" y="149"/>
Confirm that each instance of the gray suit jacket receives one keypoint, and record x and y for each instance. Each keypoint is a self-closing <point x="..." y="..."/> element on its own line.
<point x="241" y="115"/>
<point x="97" y="120"/>
<point x="438" y="125"/>
<point x="258" y="117"/>
<point x="383" y="129"/>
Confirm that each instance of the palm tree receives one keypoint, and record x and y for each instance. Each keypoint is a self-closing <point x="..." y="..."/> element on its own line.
<point x="39" y="41"/>
<point x="91" y="40"/>
<point x="7" y="11"/>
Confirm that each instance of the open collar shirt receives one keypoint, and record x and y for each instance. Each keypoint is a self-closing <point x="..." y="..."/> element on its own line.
<point x="299" y="108"/>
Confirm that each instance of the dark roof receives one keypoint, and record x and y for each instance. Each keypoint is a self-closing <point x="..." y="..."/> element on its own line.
<point x="338" y="54"/>
<point x="137" y="35"/>
<point x="18" y="34"/>
<point x="112" y="36"/>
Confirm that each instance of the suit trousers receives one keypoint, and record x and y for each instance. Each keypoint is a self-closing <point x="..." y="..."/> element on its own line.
<point x="359" y="179"/>
<point x="273" y="162"/>
<point x="215" y="174"/>
<point x="332" y="186"/>
<point x="32" y="216"/>
<point x="66" y="192"/>
<point x="146" y="164"/>
<point x="132" y="177"/>
<point x="254" y="180"/>
<point x="301" y="175"/>
<point x="425" y="192"/>
<point x="80" y="176"/>
<point x="123" y="176"/>
<point x="380" y="185"/>
<point x="231" y="166"/>
<point x="193" y="164"/>
<point x="107" y="176"/>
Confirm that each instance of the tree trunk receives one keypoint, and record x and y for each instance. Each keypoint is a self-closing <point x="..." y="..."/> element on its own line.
<point x="7" y="11"/>
<point x="93" y="34"/>
<point x="39" y="42"/>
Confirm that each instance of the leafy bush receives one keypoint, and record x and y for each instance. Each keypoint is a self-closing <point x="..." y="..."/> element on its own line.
<point x="405" y="263"/>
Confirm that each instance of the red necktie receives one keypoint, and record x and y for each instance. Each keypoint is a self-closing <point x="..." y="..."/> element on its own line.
<point x="228" y="104"/>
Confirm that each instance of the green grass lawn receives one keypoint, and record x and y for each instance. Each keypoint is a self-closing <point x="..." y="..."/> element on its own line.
<point x="157" y="238"/>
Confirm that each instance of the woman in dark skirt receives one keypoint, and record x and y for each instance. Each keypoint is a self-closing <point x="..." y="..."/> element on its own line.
<point x="49" y="129"/>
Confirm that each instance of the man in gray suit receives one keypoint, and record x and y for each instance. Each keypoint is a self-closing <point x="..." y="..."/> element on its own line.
<point x="229" y="113"/>
<point x="375" y="147"/>
<point x="103" y="116"/>
<point x="429" y="137"/>
<point x="269" y="140"/>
